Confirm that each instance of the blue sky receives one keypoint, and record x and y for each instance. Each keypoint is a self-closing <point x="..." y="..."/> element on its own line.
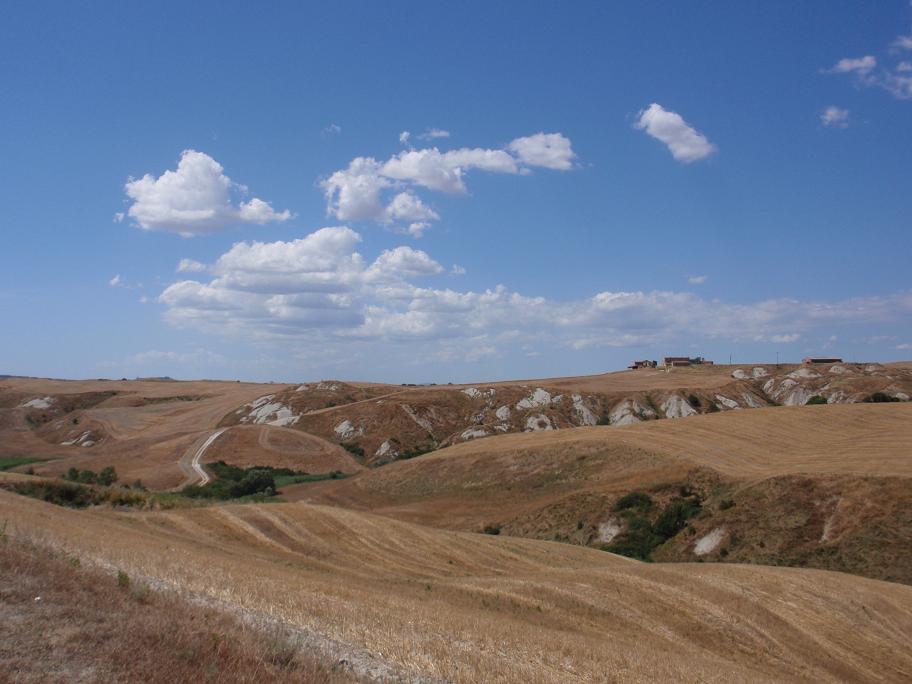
<point x="616" y="181"/>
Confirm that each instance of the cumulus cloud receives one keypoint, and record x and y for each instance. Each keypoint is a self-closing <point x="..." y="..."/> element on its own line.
<point x="407" y="206"/>
<point x="697" y="279"/>
<point x="115" y="281"/>
<point x="684" y="142"/>
<point x="193" y="199"/>
<point x="549" y="150"/>
<point x="385" y="191"/>
<point x="835" y="117"/>
<point x="417" y="228"/>
<point x="320" y="290"/>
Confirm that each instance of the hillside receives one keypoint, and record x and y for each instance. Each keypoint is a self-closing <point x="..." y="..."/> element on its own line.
<point x="151" y="430"/>
<point x="400" y="598"/>
<point x="816" y="486"/>
<point x="148" y="430"/>
<point x="404" y="422"/>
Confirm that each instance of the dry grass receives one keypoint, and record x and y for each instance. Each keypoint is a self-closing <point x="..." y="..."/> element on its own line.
<point x="475" y="608"/>
<point x="60" y="622"/>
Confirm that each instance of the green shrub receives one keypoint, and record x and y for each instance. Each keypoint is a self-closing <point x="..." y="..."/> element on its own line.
<point x="123" y="579"/>
<point x="354" y="449"/>
<point x="637" y="541"/>
<point x="604" y="419"/>
<point x="694" y="400"/>
<point x="492" y="529"/>
<point x="637" y="500"/>
<point x="880" y="398"/>
<point x="107" y="476"/>
<point x="725" y="504"/>
<point x="674" y="517"/>
<point x="816" y="400"/>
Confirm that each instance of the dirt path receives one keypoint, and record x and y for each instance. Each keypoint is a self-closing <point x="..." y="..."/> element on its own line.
<point x="191" y="465"/>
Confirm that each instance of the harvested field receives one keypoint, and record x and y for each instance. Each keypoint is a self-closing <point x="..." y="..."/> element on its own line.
<point x="520" y="609"/>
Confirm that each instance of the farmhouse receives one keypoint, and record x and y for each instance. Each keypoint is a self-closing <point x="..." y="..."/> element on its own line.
<point x="808" y="360"/>
<point x="673" y="361"/>
<point x="643" y="364"/>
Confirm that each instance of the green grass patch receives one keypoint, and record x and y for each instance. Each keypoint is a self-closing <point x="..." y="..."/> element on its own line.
<point x="16" y="461"/>
<point x="285" y="480"/>
<point x="257" y="483"/>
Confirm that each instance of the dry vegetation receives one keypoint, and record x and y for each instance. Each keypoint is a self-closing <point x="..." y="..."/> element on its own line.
<point x="62" y="622"/>
<point x="475" y="608"/>
<point x="392" y="580"/>
<point x="848" y="469"/>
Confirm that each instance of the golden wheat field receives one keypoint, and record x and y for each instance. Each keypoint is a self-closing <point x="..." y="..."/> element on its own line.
<point x="472" y="608"/>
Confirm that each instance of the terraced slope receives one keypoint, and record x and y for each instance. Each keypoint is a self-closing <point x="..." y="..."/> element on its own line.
<point x="475" y="608"/>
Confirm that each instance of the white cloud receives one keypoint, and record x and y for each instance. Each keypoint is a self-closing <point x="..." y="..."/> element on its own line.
<point x="685" y="143"/>
<point x="319" y="290"/>
<point x="904" y="345"/>
<point x="417" y="229"/>
<point x="697" y="279"/>
<point x="444" y="171"/>
<point x="332" y="129"/>
<point x="362" y="190"/>
<point x="194" y="199"/>
<point x="457" y="270"/>
<point x="407" y="206"/>
<point x="548" y="150"/>
<point x="897" y="82"/>
<point x="401" y="263"/>
<point x="859" y="65"/>
<point x="190" y="266"/>
<point x="433" y="134"/>
<point x="835" y="117"/>
<point x="899" y="85"/>
<point x="353" y="193"/>
<point x="115" y="281"/>
<point x="902" y="43"/>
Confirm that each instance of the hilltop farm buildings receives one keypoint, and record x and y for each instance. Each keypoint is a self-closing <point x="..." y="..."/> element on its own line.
<point x="678" y="361"/>
<point x="671" y="362"/>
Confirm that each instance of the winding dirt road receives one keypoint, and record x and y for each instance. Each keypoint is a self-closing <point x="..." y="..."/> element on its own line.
<point x="195" y="470"/>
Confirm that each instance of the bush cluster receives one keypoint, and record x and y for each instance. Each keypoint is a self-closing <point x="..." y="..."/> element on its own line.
<point x="881" y="398"/>
<point x="640" y="536"/>
<point x="233" y="482"/>
<point x="106" y="477"/>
